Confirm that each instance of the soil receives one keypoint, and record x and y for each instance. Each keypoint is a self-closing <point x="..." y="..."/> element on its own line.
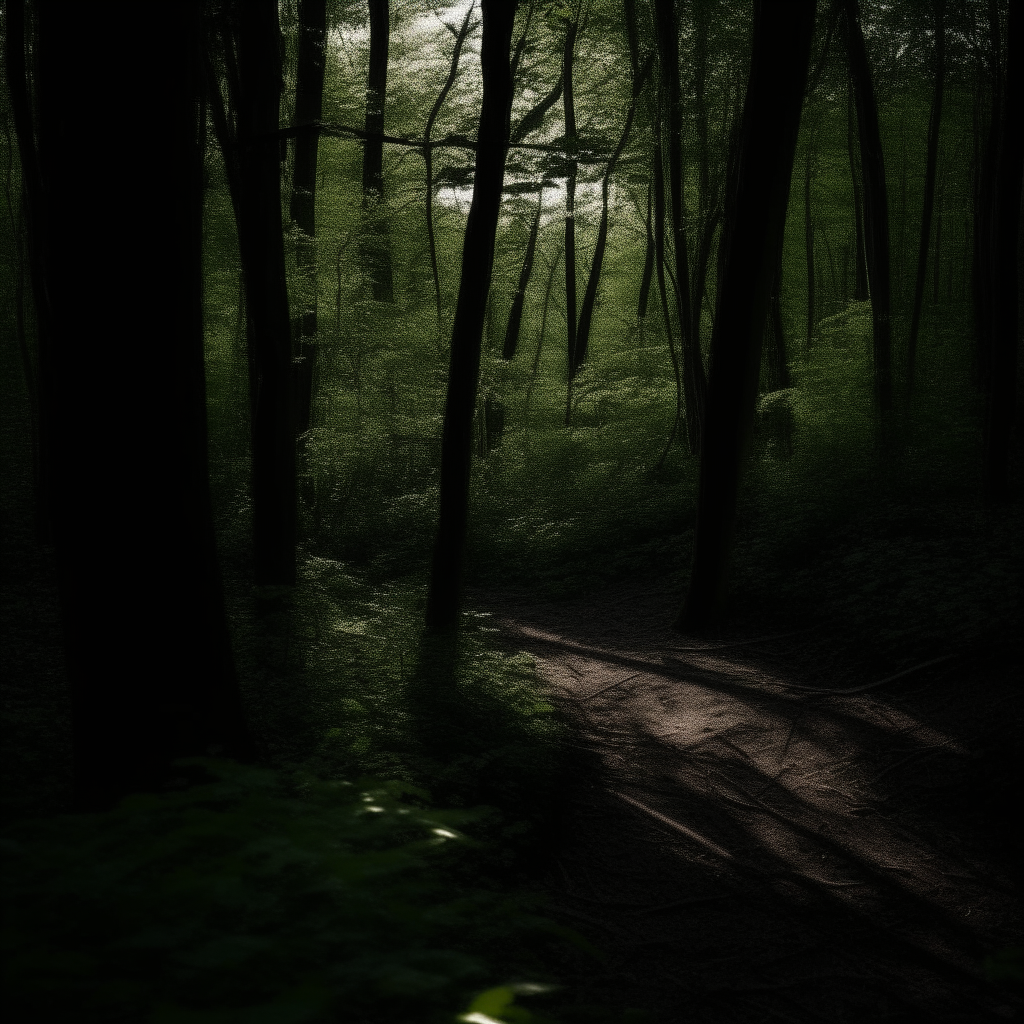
<point x="770" y="828"/>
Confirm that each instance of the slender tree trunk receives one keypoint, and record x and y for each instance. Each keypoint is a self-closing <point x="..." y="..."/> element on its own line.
<point x="515" y="316"/>
<point x="931" y="163"/>
<point x="309" y="101"/>
<point x="1004" y="261"/>
<point x="590" y="295"/>
<point x="16" y="44"/>
<point x="377" y="244"/>
<point x="645" y="278"/>
<point x="147" y="649"/>
<point x="694" y="378"/>
<point x="771" y="119"/>
<point x="444" y="593"/>
<point x="809" y="246"/>
<point x="428" y="155"/>
<point x="876" y="203"/>
<point x="860" y="287"/>
<point x="982" y="271"/>
<point x="569" y="107"/>
<point x="778" y="362"/>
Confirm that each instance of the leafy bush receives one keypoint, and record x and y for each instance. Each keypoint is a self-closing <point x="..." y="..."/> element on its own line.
<point x="250" y="898"/>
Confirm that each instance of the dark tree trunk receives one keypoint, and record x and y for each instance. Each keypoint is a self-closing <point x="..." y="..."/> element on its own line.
<point x="569" y="107"/>
<point x="645" y="278"/>
<point x="309" y="102"/>
<point x="428" y="156"/>
<point x="377" y="243"/>
<point x="590" y="295"/>
<point x="860" y="285"/>
<point x="809" y="246"/>
<point x="694" y="378"/>
<point x="515" y="316"/>
<point x="38" y="371"/>
<point x="876" y="204"/>
<point x="931" y="164"/>
<point x="981" y="268"/>
<point x="1004" y="262"/>
<point x="775" y="335"/>
<point x="261" y="245"/>
<point x="146" y="640"/>
<point x="771" y="119"/>
<point x="444" y="592"/>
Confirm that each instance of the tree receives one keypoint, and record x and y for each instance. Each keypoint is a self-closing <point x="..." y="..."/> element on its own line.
<point x="248" y="39"/>
<point x="444" y="591"/>
<point x="146" y="644"/>
<point x="934" y="124"/>
<point x="876" y="208"/>
<point x="377" y="246"/>
<point x="309" y="103"/>
<point x="771" y="119"/>
<point x="1004" y="261"/>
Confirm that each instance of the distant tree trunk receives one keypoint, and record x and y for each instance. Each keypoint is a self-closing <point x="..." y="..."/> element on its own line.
<point x="377" y="246"/>
<point x="146" y="640"/>
<point x="428" y="155"/>
<point x="771" y="119"/>
<point x="444" y="592"/>
<point x="590" y="295"/>
<point x="931" y="163"/>
<point x="16" y="44"/>
<point x="775" y="335"/>
<point x="809" y="246"/>
<point x="876" y="202"/>
<point x="569" y="107"/>
<point x="309" y="101"/>
<point x="515" y="317"/>
<point x="694" y="378"/>
<point x="860" y="287"/>
<point x="982" y="271"/>
<point x="645" y="278"/>
<point x="1004" y="261"/>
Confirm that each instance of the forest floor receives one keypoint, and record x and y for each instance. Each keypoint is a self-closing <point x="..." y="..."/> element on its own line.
<point x="768" y="828"/>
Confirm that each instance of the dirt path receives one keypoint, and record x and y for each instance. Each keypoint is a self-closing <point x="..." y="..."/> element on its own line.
<point x="770" y="834"/>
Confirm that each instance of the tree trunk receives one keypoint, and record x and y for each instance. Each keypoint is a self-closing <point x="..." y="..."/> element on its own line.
<point x="147" y="649"/>
<point x="1004" y="261"/>
<point x="809" y="246"/>
<point x="377" y="242"/>
<point x="694" y="378"/>
<point x="876" y="203"/>
<point x="444" y="592"/>
<point x="16" y="44"/>
<point x="860" y="287"/>
<point x="309" y="101"/>
<point x="645" y="278"/>
<point x="428" y="156"/>
<point x="515" y="317"/>
<point x="771" y="119"/>
<point x="569" y="107"/>
<point x="931" y="163"/>
<point x="261" y="245"/>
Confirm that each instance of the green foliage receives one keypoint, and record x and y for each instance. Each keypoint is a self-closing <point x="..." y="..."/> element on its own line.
<point x="254" y="898"/>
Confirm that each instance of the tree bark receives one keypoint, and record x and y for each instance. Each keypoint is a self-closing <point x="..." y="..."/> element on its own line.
<point x="309" y="102"/>
<point x="444" y="592"/>
<point x="876" y="203"/>
<point x="809" y="246"/>
<point x="147" y="649"/>
<point x="377" y="242"/>
<point x="515" y="316"/>
<point x="16" y="44"/>
<point x="428" y="155"/>
<point x="1004" y="261"/>
<point x="694" y="378"/>
<point x="569" y="107"/>
<point x="771" y="119"/>
<point x="860" y="285"/>
<point x="931" y="164"/>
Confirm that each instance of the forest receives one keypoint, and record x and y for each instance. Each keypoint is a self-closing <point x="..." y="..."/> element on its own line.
<point x="511" y="511"/>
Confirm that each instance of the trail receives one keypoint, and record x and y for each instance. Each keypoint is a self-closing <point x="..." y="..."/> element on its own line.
<point x="767" y="833"/>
